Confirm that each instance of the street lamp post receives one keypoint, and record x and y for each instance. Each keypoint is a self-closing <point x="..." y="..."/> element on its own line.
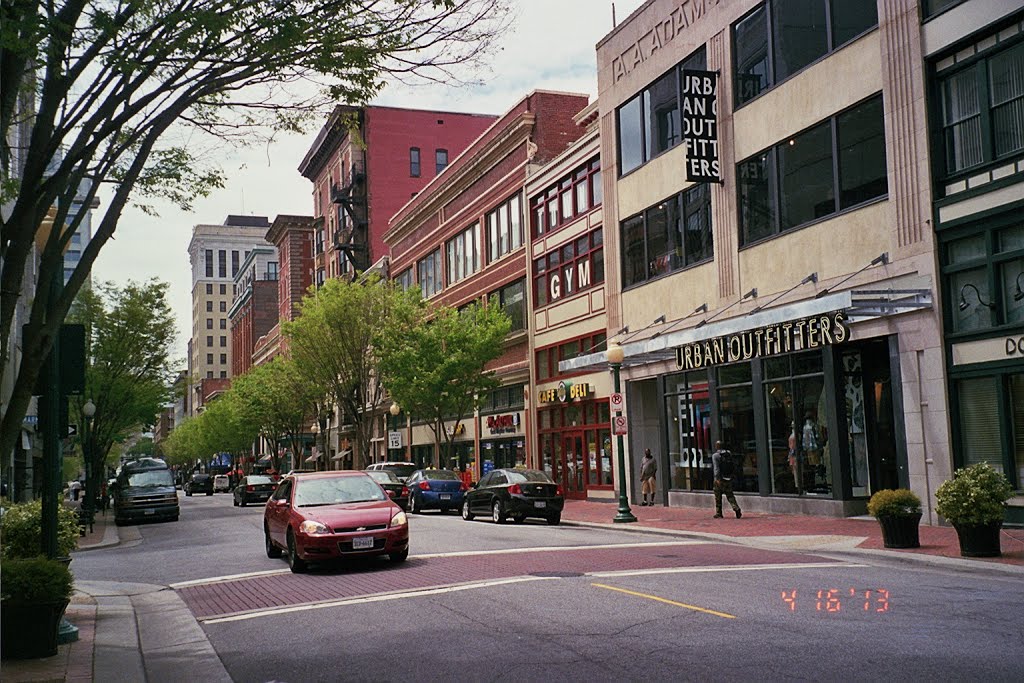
<point x="316" y="430"/>
<point x="89" y="411"/>
<point x="615" y="356"/>
<point x="395" y="409"/>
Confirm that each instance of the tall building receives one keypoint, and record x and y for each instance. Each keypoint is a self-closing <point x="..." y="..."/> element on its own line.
<point x="216" y="253"/>
<point x="974" y="74"/>
<point x="79" y="240"/>
<point x="253" y="312"/>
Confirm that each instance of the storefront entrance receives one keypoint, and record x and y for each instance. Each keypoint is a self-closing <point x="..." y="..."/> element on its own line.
<point x="870" y="418"/>
<point x="573" y="466"/>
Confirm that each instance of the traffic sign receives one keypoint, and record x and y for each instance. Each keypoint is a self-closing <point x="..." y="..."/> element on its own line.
<point x="619" y="425"/>
<point x="617" y="401"/>
<point x="72" y="430"/>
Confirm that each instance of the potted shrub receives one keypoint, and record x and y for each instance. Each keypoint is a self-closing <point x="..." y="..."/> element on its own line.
<point x="974" y="502"/>
<point x="898" y="512"/>
<point x="22" y="526"/>
<point x="33" y="596"/>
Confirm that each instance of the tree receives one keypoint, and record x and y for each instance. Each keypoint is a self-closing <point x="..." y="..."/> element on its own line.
<point x="134" y="95"/>
<point x="129" y="332"/>
<point x="276" y="398"/>
<point x="331" y="342"/>
<point x="436" y="369"/>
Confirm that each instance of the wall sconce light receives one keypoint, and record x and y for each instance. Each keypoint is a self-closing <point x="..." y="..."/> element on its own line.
<point x="963" y="305"/>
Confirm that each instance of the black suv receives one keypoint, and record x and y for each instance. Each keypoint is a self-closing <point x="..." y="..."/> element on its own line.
<point x="199" y="483"/>
<point x="144" y="490"/>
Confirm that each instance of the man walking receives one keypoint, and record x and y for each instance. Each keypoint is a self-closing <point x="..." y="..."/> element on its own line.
<point x="724" y="466"/>
<point x="648" y="476"/>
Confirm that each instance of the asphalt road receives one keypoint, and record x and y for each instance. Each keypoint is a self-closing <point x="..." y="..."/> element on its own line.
<point x="480" y="602"/>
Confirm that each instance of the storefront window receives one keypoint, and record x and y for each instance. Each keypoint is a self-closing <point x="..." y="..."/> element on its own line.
<point x="797" y="436"/>
<point x="979" y="421"/>
<point x="736" y="422"/>
<point x="1017" y="403"/>
<point x="689" y="433"/>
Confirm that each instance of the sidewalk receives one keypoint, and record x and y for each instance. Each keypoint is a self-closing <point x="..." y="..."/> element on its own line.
<point x="142" y="632"/>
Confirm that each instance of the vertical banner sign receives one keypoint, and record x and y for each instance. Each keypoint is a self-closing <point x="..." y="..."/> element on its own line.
<point x="700" y="125"/>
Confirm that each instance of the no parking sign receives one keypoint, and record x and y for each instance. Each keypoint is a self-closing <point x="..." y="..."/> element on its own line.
<point x="617" y="401"/>
<point x="619" y="425"/>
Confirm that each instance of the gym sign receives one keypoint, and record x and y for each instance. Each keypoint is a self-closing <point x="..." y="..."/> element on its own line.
<point x="761" y="342"/>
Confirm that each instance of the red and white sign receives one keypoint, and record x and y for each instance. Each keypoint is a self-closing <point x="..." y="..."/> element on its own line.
<point x="619" y="425"/>
<point x="617" y="401"/>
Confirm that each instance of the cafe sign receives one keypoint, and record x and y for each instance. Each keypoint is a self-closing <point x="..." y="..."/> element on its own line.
<point x="762" y="342"/>
<point x="566" y="392"/>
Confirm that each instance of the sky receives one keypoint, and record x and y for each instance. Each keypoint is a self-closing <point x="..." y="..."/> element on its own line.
<point x="550" y="46"/>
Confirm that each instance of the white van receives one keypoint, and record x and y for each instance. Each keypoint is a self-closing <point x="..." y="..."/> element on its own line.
<point x="221" y="483"/>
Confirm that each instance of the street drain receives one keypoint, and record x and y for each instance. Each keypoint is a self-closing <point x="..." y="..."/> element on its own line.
<point x="556" y="575"/>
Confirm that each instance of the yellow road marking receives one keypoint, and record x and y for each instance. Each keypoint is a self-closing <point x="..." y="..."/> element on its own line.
<point x="667" y="602"/>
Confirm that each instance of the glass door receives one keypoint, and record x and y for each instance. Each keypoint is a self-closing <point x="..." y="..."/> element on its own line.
<point x="574" y="466"/>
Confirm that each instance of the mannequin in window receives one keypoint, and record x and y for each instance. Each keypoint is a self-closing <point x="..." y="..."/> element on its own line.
<point x="811" y="440"/>
<point x="795" y="457"/>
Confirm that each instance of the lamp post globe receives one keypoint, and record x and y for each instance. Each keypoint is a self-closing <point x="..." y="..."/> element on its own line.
<point x="395" y="409"/>
<point x="615" y="356"/>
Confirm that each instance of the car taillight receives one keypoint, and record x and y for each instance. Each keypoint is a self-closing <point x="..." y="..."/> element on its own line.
<point x="405" y="491"/>
<point x="250" y="488"/>
<point x="424" y="486"/>
<point x="514" y="488"/>
<point x="558" y="490"/>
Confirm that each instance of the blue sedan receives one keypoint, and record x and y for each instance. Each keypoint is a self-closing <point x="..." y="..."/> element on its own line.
<point x="435" y="490"/>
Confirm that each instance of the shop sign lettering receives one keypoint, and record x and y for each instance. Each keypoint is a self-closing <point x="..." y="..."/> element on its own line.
<point x="761" y="342"/>
<point x="564" y="393"/>
<point x="700" y="127"/>
<point x="499" y="424"/>
<point x="682" y="16"/>
<point x="574" y="279"/>
<point x="1014" y="347"/>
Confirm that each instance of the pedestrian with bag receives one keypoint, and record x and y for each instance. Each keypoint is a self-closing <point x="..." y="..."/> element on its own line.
<point x="724" y="465"/>
<point x="648" y="476"/>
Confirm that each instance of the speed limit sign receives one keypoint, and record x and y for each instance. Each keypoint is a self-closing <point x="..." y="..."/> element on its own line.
<point x="618" y="401"/>
<point x="619" y="425"/>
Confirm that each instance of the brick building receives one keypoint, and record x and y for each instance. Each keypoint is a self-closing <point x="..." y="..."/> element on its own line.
<point x="254" y="311"/>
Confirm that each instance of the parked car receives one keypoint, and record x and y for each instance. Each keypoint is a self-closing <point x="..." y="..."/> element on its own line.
<point x="221" y="483"/>
<point x="515" y="494"/>
<point x="435" y="490"/>
<point x="395" y="489"/>
<point x="402" y="470"/>
<point x="144" y="490"/>
<point x="333" y="515"/>
<point x="199" y="483"/>
<point x="254" y="488"/>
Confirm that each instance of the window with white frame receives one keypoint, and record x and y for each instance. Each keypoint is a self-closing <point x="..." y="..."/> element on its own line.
<point x="463" y="254"/>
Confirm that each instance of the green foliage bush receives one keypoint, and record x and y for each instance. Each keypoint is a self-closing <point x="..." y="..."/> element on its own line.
<point x="975" y="495"/>
<point x="21" y="531"/>
<point x="894" y="503"/>
<point x="35" y="580"/>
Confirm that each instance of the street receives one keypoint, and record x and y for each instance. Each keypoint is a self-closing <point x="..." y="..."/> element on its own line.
<point x="476" y="601"/>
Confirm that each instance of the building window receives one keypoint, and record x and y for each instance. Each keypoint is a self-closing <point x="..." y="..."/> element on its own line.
<point x="208" y="258"/>
<point x="209" y="374"/>
<point x="223" y="306"/>
<point x="564" y="201"/>
<point x="504" y="229"/>
<point x="794" y="389"/>
<point x="983" y="109"/>
<point x="209" y="323"/>
<point x="209" y="307"/>
<point x="512" y="299"/>
<point x="440" y="160"/>
<point x="223" y="324"/>
<point x="404" y="279"/>
<point x="222" y="263"/>
<point x="234" y="262"/>
<point x="673" y="234"/>
<point x="223" y="341"/>
<point x="548" y="357"/>
<point x="209" y="288"/>
<point x="648" y="124"/>
<point x="984" y="275"/>
<point x="209" y="340"/>
<point x="223" y="358"/>
<point x="933" y="7"/>
<point x="272" y="270"/>
<point x="223" y="290"/>
<point x="503" y="399"/>
<point x="223" y="374"/>
<point x="428" y="273"/>
<point x="795" y="181"/>
<point x="209" y="359"/>
<point x="414" y="162"/>
<point x="781" y="37"/>
<point x="463" y="254"/>
<point x="574" y="267"/>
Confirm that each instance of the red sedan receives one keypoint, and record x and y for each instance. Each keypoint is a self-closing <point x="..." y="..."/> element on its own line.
<point x="332" y="515"/>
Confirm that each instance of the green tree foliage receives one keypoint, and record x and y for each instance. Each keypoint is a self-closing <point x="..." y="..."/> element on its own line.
<point x="332" y="344"/>
<point x="129" y="332"/>
<point x="436" y="369"/>
<point x="135" y="96"/>
<point x="185" y="445"/>
<point x="21" y="530"/>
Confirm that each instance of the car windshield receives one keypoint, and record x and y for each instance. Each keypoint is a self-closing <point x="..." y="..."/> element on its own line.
<point x="519" y="476"/>
<point x="446" y="475"/>
<point x="336" y="491"/>
<point x="151" y="478"/>
<point x="259" y="480"/>
<point x="401" y="471"/>
<point x="200" y="477"/>
<point x="383" y="476"/>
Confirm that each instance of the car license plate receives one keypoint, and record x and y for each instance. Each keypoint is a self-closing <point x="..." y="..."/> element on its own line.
<point x="540" y="503"/>
<point x="446" y="496"/>
<point x="149" y="512"/>
<point x="362" y="543"/>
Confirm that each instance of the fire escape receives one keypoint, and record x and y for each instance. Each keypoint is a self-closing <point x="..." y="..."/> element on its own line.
<point x="351" y="236"/>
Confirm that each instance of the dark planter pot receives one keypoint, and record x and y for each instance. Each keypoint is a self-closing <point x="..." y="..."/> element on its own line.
<point x="30" y="631"/>
<point x="979" y="540"/>
<point x="900" y="531"/>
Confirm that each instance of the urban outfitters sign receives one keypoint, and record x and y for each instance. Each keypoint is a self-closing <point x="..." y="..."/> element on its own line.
<point x="761" y="342"/>
<point x="700" y="128"/>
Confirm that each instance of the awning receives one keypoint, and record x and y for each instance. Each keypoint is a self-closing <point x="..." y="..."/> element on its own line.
<point x="340" y="456"/>
<point x="859" y="305"/>
<point x="312" y="458"/>
<point x="264" y="460"/>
